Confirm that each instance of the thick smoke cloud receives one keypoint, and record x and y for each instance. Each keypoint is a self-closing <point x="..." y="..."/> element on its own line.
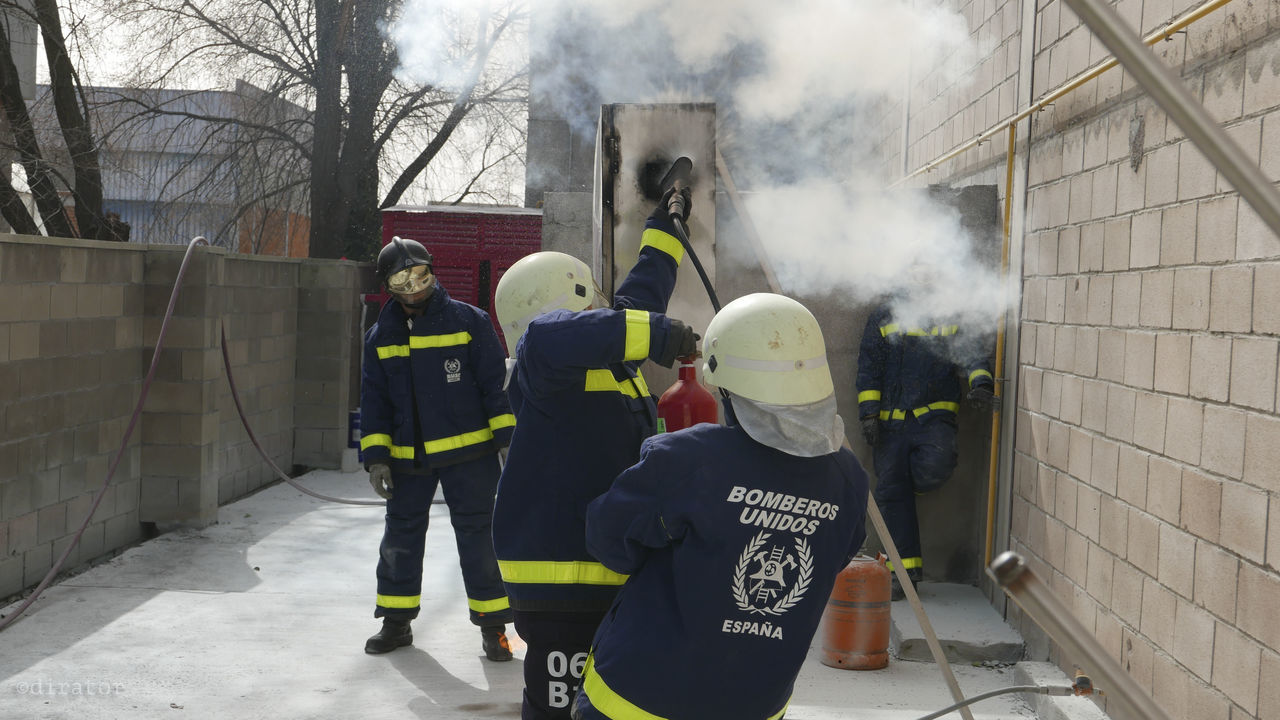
<point x="803" y="90"/>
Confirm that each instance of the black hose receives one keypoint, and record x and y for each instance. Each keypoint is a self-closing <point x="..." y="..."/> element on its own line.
<point x="682" y="234"/>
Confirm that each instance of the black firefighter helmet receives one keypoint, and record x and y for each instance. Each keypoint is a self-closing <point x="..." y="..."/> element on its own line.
<point x="395" y="266"/>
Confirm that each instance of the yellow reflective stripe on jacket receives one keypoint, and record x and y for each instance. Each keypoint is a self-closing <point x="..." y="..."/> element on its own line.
<point x="612" y="705"/>
<point x="458" y="441"/>
<point x="977" y="374"/>
<point x="637" y="344"/>
<point x="498" y="422"/>
<point x="908" y="563"/>
<point x="604" y="381"/>
<point x="422" y="342"/>
<point x="891" y="328"/>
<point x="401" y="452"/>
<point x="399" y="602"/>
<point x="488" y="606"/>
<point x="902" y="414"/>
<point x="609" y="703"/>
<point x="550" y="572"/>
<point x="659" y="240"/>
<point x="953" y="407"/>
<point x="868" y="395"/>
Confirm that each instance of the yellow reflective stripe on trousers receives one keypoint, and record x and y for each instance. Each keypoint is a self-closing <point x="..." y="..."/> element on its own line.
<point x="977" y="374"/>
<point x="908" y="563"/>
<point x="457" y="441"/>
<point x="550" y="572"/>
<point x="488" y="606"/>
<point x="662" y="241"/>
<point x="502" y="421"/>
<point x="868" y="395"/>
<point x="604" y="381"/>
<point x="399" y="602"/>
<point x="637" y="344"/>
<point x="422" y="342"/>
<point x="383" y="440"/>
<point x="614" y="706"/>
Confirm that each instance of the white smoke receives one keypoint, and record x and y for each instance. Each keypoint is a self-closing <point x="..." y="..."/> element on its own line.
<point x="805" y="90"/>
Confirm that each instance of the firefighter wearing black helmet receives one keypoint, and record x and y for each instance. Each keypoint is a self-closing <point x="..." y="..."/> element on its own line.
<point x="433" y="412"/>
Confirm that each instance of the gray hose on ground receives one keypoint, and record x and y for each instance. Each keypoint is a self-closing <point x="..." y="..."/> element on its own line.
<point x="1037" y="689"/>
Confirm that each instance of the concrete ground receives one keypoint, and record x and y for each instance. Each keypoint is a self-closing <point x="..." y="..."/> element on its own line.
<point x="264" y="615"/>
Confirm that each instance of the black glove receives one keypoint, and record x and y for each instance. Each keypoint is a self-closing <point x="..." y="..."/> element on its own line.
<point x="983" y="398"/>
<point x="681" y="342"/>
<point x="684" y="203"/>
<point x="871" y="430"/>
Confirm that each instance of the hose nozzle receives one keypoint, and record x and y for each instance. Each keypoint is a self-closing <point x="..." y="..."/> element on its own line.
<point x="677" y="177"/>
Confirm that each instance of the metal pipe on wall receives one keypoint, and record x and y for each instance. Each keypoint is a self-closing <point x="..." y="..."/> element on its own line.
<point x="1010" y="571"/>
<point x="1177" y="25"/>
<point x="1172" y="96"/>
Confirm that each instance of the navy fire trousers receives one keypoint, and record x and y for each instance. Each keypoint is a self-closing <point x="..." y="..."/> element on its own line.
<point x="469" y="488"/>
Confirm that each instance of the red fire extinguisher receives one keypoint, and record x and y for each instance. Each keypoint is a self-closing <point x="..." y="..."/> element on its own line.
<point x="687" y="402"/>
<point x="856" y="622"/>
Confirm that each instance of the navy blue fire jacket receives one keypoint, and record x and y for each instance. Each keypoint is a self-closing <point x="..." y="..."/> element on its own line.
<point x="443" y="377"/>
<point x="733" y="548"/>
<point x="913" y="370"/>
<point x="583" y="410"/>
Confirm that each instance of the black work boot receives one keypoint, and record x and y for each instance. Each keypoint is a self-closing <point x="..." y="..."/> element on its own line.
<point x="493" y="638"/>
<point x="915" y="575"/>
<point x="394" y="634"/>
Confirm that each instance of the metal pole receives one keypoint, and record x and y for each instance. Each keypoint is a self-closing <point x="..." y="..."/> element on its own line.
<point x="1168" y="91"/>
<point x="1011" y="572"/>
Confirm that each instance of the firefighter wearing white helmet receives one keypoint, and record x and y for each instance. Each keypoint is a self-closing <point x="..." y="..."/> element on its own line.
<point x="537" y="284"/>
<point x="582" y="410"/>
<point x="732" y="536"/>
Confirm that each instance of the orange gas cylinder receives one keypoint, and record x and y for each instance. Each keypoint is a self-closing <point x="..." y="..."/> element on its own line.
<point x="855" y="633"/>
<point x="687" y="402"/>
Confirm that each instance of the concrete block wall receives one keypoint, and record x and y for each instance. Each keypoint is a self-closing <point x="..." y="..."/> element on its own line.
<point x="78" y="324"/>
<point x="259" y="307"/>
<point x="329" y="341"/>
<point x="71" y="339"/>
<point x="1142" y="477"/>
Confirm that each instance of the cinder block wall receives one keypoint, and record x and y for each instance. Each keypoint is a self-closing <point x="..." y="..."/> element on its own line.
<point x="1144" y="471"/>
<point x="260" y="313"/>
<point x="78" y="323"/>
<point x="70" y="353"/>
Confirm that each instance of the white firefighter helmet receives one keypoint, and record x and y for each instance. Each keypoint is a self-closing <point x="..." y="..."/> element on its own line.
<point x="537" y="284"/>
<point x="767" y="348"/>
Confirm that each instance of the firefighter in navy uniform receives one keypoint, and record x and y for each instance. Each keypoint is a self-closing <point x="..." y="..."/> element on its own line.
<point x="732" y="535"/>
<point x="583" y="410"/>
<point x="433" y="412"/>
<point x="909" y="393"/>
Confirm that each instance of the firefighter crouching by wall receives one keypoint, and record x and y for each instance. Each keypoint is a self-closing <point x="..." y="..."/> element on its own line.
<point x="909" y="395"/>
<point x="732" y="535"/>
<point x="583" y="410"/>
<point x="433" y="411"/>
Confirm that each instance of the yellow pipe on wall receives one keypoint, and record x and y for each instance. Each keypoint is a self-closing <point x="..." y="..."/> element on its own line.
<point x="994" y="461"/>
